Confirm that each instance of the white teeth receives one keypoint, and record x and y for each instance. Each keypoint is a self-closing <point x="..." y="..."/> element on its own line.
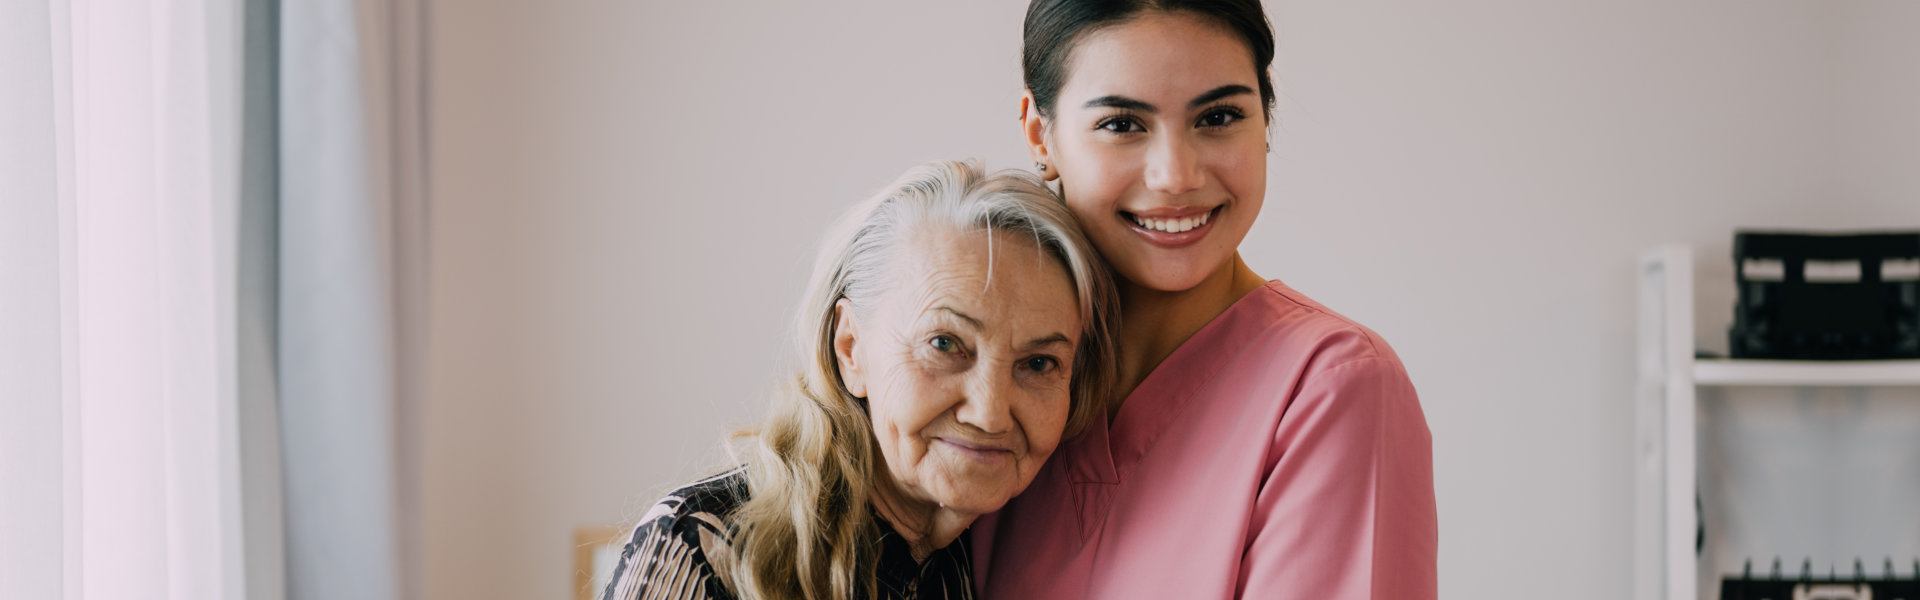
<point x="1173" y="225"/>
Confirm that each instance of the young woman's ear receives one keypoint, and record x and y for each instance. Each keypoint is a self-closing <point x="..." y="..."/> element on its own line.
<point x="1035" y="130"/>
<point x="845" y="335"/>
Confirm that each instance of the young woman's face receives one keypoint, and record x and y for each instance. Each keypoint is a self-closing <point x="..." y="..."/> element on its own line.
<point x="965" y="363"/>
<point x="1159" y="142"/>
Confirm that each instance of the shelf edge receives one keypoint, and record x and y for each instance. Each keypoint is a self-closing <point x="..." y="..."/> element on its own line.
<point x="1749" y="372"/>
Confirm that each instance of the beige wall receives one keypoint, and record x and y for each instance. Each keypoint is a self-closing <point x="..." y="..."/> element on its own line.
<point x="625" y="195"/>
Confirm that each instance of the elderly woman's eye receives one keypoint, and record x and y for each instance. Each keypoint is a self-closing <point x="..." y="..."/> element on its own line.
<point x="1041" y="364"/>
<point x="944" y="343"/>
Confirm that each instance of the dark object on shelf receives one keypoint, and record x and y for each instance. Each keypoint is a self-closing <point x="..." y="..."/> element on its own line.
<point x="1826" y="296"/>
<point x="1888" y="586"/>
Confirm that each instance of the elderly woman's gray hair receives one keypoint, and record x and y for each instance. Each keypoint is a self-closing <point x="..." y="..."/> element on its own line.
<point x="804" y="530"/>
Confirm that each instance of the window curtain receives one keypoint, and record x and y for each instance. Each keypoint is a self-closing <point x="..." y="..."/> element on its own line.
<point x="121" y="458"/>
<point x="352" y="277"/>
<point x="32" y="287"/>
<point x="212" y="251"/>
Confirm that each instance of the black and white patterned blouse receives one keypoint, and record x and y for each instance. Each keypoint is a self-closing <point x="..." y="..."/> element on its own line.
<point x="680" y="551"/>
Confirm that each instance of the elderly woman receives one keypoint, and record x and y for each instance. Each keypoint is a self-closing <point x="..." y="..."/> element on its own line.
<point x="956" y="330"/>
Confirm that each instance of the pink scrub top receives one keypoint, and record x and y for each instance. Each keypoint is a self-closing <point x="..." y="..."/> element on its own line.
<point x="1279" y="453"/>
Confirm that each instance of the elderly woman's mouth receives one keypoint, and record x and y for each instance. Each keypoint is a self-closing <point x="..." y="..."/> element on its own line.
<point x="980" y="451"/>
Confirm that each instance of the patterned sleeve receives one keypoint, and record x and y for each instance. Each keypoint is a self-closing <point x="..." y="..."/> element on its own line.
<point x="677" y="552"/>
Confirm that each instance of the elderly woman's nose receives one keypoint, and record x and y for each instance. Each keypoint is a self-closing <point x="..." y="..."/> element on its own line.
<point x="988" y="404"/>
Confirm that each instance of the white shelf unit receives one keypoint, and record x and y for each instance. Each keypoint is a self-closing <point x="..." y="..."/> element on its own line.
<point x="1736" y="372"/>
<point x="1666" y="566"/>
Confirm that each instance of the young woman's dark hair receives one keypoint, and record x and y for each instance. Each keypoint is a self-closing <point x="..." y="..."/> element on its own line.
<point x="1054" y="26"/>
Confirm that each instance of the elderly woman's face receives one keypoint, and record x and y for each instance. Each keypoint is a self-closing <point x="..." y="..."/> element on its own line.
<point x="965" y="365"/>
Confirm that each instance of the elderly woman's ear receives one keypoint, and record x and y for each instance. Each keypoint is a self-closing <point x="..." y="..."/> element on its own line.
<point x="845" y="332"/>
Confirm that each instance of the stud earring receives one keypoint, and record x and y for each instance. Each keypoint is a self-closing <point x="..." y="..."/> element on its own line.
<point x="1040" y="166"/>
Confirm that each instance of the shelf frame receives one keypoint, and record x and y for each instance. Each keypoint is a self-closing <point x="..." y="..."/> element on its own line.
<point x="1666" y="566"/>
<point x="1750" y="372"/>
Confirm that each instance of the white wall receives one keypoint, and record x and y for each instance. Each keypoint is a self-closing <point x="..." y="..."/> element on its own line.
<point x="1879" y="90"/>
<point x="626" y="195"/>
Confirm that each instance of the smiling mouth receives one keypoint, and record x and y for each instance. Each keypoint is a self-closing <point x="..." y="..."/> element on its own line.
<point x="1172" y="225"/>
<point x="1173" y="231"/>
<point x="983" y="453"/>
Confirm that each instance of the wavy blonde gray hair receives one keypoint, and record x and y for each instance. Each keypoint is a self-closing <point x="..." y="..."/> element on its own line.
<point x="805" y="530"/>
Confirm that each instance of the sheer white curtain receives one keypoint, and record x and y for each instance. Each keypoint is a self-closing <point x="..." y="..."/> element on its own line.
<point x="32" y="486"/>
<point x="211" y="249"/>
<point x="121" y="179"/>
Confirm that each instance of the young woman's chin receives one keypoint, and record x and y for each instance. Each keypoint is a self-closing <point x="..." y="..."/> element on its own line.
<point x="1175" y="270"/>
<point x="1172" y="274"/>
<point x="1169" y="259"/>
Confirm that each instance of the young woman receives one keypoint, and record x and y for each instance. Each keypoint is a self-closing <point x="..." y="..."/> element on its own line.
<point x="1265" y="446"/>
<point x="955" y="330"/>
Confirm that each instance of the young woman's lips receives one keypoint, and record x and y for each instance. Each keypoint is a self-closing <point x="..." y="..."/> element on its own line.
<point x="1184" y="234"/>
<point x="976" y="451"/>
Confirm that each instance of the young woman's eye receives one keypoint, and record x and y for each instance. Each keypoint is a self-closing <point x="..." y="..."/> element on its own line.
<point x="1221" y="117"/>
<point x="1121" y="125"/>
<point x="1041" y="364"/>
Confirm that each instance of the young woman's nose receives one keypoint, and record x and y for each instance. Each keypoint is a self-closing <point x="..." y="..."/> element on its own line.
<point x="988" y="404"/>
<point x="1173" y="166"/>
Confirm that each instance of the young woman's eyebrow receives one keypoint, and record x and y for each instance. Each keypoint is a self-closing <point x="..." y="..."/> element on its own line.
<point x="1224" y="91"/>
<point x="1123" y="102"/>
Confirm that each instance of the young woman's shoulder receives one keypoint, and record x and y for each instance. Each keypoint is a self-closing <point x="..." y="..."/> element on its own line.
<point x="1304" y="327"/>
<point x="1349" y="470"/>
<point x="679" y="549"/>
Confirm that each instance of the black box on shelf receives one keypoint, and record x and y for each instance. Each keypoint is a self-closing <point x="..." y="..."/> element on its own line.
<point x="1807" y="586"/>
<point x="1818" y="589"/>
<point x="1826" y="296"/>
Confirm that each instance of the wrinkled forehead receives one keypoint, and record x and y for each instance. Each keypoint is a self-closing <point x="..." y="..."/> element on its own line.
<point x="1006" y="273"/>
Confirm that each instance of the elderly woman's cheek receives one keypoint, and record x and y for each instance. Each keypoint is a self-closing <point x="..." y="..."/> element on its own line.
<point x="900" y="413"/>
<point x="1046" y="422"/>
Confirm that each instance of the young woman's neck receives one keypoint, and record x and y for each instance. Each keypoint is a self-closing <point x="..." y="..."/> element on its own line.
<point x="926" y="526"/>
<point x="1153" y="323"/>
